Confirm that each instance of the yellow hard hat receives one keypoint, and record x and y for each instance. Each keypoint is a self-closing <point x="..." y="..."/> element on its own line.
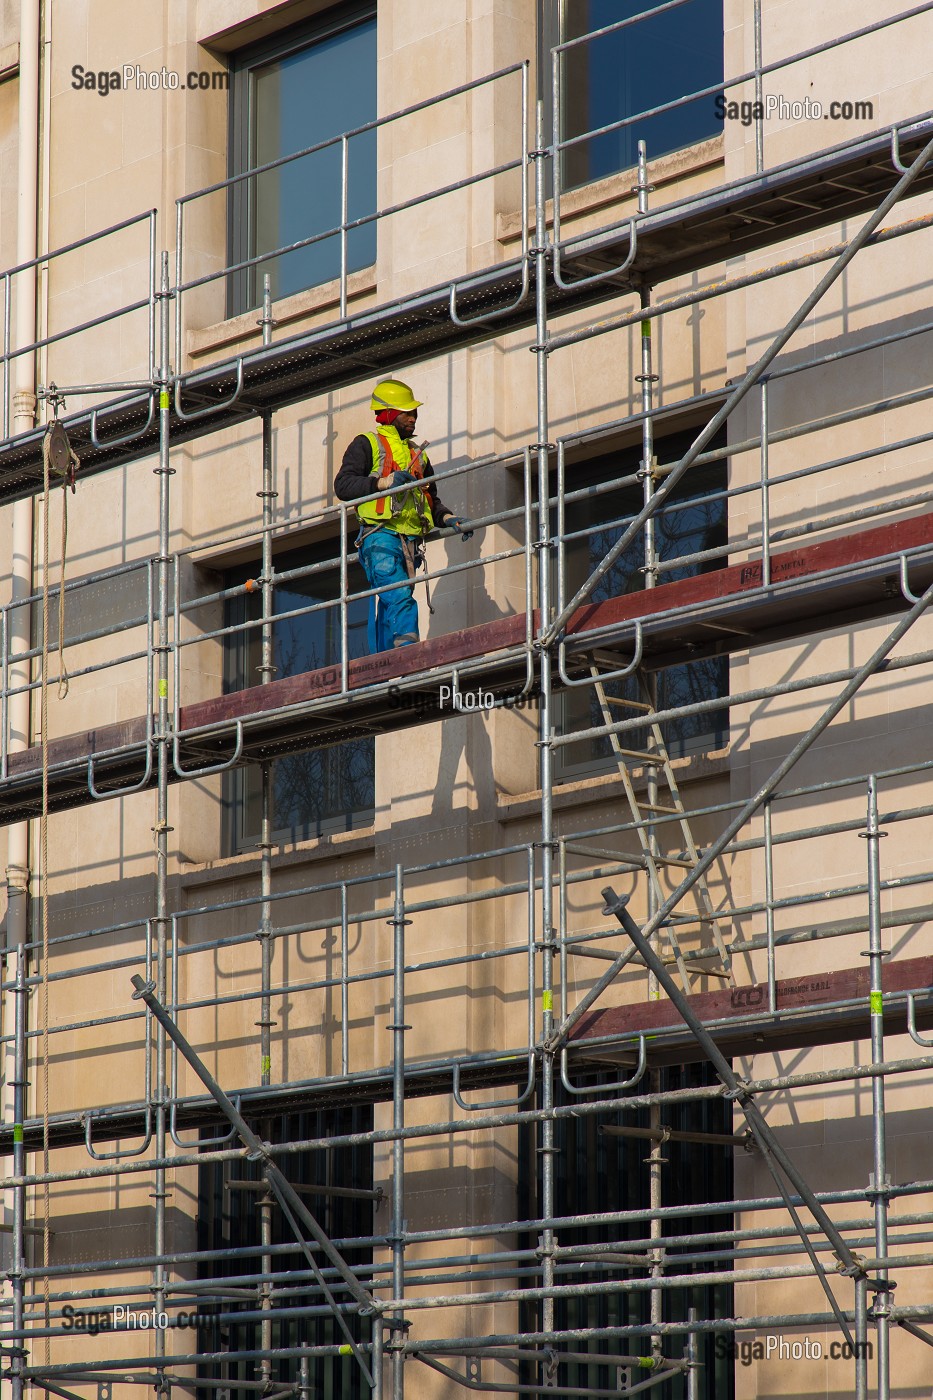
<point x="392" y="393"/>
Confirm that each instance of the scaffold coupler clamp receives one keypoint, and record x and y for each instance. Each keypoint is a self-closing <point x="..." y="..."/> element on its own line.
<point x="398" y="1328"/>
<point x="12" y="1354"/>
<point x="741" y="1094"/>
<point x="881" y="1302"/>
<point x="854" y="1270"/>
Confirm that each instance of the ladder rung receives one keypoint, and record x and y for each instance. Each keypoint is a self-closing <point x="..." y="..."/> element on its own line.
<point x="707" y="917"/>
<point x="681" y="861"/>
<point x="699" y="971"/>
<point x="656" y="807"/>
<point x="630" y="704"/>
<point x="639" y="757"/>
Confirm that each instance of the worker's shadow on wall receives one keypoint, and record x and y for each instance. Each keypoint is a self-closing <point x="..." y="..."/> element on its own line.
<point x="462" y="600"/>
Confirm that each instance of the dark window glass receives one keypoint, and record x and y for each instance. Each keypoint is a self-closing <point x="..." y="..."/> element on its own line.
<point x="329" y="789"/>
<point x="309" y="87"/>
<point x="692" y="520"/>
<point x="229" y="1217"/>
<point x="596" y="1171"/>
<point x="634" y="70"/>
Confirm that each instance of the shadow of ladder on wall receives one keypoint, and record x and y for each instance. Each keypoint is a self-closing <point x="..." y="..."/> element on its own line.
<point x="655" y="757"/>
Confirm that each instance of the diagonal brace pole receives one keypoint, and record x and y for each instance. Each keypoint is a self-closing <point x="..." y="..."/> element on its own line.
<point x="715" y="850"/>
<point x="328" y="1295"/>
<point x="915" y="1331"/>
<point x="773" y="1152"/>
<point x="553" y="631"/>
<point x="54" y="1389"/>
<point x="291" y="1203"/>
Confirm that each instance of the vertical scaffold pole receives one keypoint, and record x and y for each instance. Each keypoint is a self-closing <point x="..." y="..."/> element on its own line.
<point x="264" y="1369"/>
<point x="647" y="473"/>
<point x="546" y="1149"/>
<point x="759" y="90"/>
<point x="163" y="740"/>
<point x="646" y="379"/>
<point x="266" y="672"/>
<point x="398" y="1028"/>
<point x="873" y="836"/>
<point x="861" y="1339"/>
<point x="18" y="1261"/>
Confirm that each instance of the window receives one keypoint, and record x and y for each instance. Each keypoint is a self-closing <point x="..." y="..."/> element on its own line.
<point x="601" y="1172"/>
<point x="229" y="1219"/>
<point x="693" y="520"/>
<point x="314" y="83"/>
<point x="634" y="70"/>
<point x="329" y="789"/>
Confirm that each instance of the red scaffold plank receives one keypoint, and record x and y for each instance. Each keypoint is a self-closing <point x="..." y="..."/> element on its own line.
<point x="723" y="610"/>
<point x="743" y="1024"/>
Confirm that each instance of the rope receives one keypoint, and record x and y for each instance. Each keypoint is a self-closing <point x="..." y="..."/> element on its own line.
<point x="68" y="479"/>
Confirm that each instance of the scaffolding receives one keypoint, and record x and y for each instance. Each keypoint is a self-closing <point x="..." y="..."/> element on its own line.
<point x="689" y="910"/>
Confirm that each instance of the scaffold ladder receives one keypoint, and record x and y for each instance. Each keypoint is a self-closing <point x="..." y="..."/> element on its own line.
<point x="655" y="758"/>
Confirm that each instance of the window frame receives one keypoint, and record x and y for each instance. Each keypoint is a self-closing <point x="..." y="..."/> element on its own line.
<point x="241" y="295"/>
<point x="628" y="456"/>
<point x="606" y="1173"/>
<point x="226" y="1217"/>
<point x="237" y="838"/>
<point x="551" y="32"/>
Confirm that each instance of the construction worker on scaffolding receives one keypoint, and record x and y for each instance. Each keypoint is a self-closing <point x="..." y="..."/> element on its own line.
<point x="393" y="528"/>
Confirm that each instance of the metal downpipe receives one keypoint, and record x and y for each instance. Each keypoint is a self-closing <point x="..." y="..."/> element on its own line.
<point x="20" y="707"/>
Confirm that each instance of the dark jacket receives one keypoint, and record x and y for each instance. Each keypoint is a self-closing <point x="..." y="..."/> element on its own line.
<point x="355" y="478"/>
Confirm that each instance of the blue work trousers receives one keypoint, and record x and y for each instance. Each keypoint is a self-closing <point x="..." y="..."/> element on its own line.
<point x="393" y="616"/>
